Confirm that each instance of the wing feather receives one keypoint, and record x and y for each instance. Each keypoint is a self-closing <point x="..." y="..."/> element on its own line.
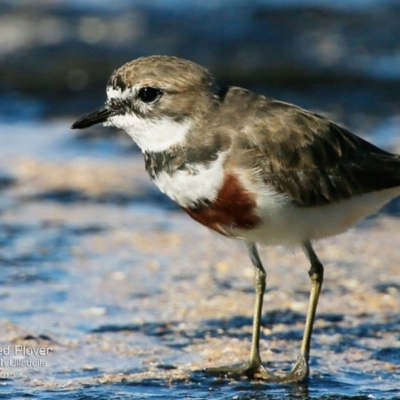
<point x="310" y="159"/>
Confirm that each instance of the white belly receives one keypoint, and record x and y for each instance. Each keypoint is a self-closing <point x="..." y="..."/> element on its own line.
<point x="291" y="226"/>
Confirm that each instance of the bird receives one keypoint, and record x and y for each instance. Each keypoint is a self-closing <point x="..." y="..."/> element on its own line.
<point x="249" y="167"/>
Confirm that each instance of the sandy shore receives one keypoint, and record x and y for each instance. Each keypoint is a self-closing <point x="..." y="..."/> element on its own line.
<point x="131" y="292"/>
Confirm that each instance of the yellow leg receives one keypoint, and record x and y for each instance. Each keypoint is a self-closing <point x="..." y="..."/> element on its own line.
<point x="254" y="367"/>
<point x="301" y="368"/>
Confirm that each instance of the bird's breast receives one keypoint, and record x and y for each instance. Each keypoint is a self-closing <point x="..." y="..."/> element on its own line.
<point x="233" y="208"/>
<point x="190" y="183"/>
<point x="211" y="195"/>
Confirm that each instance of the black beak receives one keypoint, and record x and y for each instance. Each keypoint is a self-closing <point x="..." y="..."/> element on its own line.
<point x="95" y="117"/>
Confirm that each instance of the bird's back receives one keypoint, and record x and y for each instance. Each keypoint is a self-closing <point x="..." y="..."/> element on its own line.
<point x="304" y="156"/>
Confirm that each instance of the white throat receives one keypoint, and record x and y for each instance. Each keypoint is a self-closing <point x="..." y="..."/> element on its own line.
<point x="151" y="135"/>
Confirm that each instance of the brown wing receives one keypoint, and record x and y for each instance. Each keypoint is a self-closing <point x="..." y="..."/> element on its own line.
<point x="314" y="161"/>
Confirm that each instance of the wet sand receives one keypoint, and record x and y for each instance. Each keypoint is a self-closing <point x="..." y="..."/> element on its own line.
<point x="124" y="289"/>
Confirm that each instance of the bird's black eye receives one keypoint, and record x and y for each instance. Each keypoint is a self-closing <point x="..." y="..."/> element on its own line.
<point x="149" y="94"/>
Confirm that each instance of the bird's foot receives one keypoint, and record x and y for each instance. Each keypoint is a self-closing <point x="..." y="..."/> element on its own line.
<point x="298" y="373"/>
<point x="251" y="370"/>
<point x="255" y="370"/>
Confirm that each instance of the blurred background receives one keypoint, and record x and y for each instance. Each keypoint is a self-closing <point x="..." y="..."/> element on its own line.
<point x="75" y="205"/>
<point x="342" y="57"/>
